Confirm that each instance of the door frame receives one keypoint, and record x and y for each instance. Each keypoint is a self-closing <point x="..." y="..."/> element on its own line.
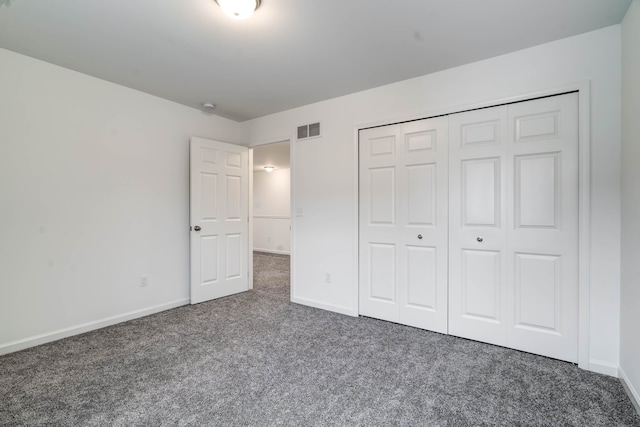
<point x="584" y="195"/>
<point x="290" y="139"/>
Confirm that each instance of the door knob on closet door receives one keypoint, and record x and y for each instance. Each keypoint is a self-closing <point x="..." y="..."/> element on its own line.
<point x="197" y="228"/>
<point x="420" y="236"/>
<point x="480" y="239"/>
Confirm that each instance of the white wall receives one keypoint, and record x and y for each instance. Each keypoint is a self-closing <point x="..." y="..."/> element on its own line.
<point x="271" y="211"/>
<point x="93" y="194"/>
<point x="94" y="187"/>
<point x="630" y="297"/>
<point x="325" y="236"/>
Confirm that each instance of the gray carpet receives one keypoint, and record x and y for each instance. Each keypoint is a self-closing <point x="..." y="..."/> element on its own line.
<point x="255" y="359"/>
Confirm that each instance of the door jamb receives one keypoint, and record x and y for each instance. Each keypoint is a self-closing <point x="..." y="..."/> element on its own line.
<point x="290" y="139"/>
<point x="250" y="220"/>
<point x="584" y="196"/>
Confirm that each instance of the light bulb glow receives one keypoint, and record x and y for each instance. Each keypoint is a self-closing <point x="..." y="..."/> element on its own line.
<point x="238" y="9"/>
<point x="269" y="168"/>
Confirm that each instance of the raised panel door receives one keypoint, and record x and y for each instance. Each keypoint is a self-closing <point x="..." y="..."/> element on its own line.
<point x="513" y="261"/>
<point x="422" y="224"/>
<point x="378" y="237"/>
<point x="403" y="223"/>
<point x="543" y="228"/>
<point x="219" y="219"/>
<point x="477" y="218"/>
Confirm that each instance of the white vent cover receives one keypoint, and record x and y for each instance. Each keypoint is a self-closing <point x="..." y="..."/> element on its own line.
<point x="311" y="130"/>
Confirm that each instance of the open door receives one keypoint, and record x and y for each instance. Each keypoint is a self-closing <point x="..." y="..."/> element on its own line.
<point x="219" y="216"/>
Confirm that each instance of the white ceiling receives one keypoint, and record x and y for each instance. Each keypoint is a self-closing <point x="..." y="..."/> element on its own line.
<point x="291" y="52"/>
<point x="276" y="155"/>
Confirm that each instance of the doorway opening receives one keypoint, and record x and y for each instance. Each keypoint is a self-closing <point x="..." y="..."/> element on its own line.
<point x="271" y="218"/>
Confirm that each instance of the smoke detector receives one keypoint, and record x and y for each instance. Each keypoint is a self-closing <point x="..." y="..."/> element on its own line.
<point x="208" y="107"/>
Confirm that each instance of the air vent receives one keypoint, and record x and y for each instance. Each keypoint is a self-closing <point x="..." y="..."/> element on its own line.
<point x="311" y="130"/>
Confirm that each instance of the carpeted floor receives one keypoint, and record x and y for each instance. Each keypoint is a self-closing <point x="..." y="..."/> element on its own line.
<point x="255" y="359"/>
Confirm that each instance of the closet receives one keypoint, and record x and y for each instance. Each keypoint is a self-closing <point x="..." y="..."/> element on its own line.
<point x="469" y="225"/>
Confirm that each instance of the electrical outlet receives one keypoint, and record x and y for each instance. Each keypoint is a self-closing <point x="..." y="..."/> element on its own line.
<point x="144" y="280"/>
<point x="327" y="277"/>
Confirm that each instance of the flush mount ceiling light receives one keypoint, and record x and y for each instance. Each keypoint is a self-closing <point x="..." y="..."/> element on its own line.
<point x="269" y="168"/>
<point x="239" y="9"/>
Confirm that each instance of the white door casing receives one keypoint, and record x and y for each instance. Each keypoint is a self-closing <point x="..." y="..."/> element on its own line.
<point x="403" y="223"/>
<point x="219" y="194"/>
<point x="514" y="226"/>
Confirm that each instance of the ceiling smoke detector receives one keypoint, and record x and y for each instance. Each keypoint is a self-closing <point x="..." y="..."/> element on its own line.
<point x="208" y="107"/>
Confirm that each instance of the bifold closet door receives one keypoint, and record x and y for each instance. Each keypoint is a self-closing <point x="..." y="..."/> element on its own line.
<point x="513" y="264"/>
<point x="478" y="222"/>
<point x="403" y="223"/>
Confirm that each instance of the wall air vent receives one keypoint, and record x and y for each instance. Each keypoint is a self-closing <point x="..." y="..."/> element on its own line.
<point x="311" y="130"/>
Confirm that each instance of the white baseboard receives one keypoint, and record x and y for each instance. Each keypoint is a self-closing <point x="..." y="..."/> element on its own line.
<point x="602" y="367"/>
<point x="329" y="307"/>
<point x="18" y="345"/>
<point x="631" y="391"/>
<point x="272" y="251"/>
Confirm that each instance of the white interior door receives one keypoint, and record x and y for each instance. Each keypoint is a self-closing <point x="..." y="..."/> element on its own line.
<point x="219" y="219"/>
<point x="403" y="223"/>
<point x="482" y="205"/>
<point x="477" y="227"/>
<point x="514" y="226"/>
<point x="543" y="236"/>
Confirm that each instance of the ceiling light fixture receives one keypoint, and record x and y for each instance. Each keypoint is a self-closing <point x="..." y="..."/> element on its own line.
<point x="269" y="168"/>
<point x="239" y="9"/>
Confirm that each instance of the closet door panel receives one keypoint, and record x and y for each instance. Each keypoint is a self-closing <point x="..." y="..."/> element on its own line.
<point x="477" y="215"/>
<point x="378" y="241"/>
<point x="403" y="223"/>
<point x="469" y="225"/>
<point x="513" y="237"/>
<point x="423" y="223"/>
<point x="543" y="228"/>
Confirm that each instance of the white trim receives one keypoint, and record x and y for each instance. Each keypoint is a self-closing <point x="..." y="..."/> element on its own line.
<point x="87" y="327"/>
<point x="250" y="220"/>
<point x="292" y="225"/>
<point x="584" y="200"/>
<point x="602" y="367"/>
<point x="271" y="251"/>
<point x="584" y="224"/>
<point x="634" y="396"/>
<point x="271" y="217"/>
<point x="356" y="210"/>
<point x="348" y="311"/>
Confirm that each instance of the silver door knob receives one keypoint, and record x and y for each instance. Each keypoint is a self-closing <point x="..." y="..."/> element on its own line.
<point x="420" y="236"/>
<point x="197" y="228"/>
<point x="480" y="239"/>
